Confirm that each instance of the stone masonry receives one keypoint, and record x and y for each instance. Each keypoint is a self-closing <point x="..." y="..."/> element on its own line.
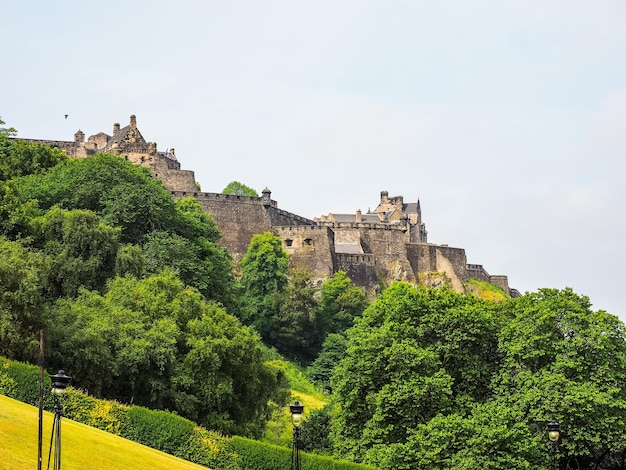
<point x="373" y="248"/>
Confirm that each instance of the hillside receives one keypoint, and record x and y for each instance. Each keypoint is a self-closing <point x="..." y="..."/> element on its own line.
<point x="82" y="446"/>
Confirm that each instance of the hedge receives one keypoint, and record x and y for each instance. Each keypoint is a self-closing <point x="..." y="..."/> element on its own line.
<point x="160" y="430"/>
<point x="257" y="455"/>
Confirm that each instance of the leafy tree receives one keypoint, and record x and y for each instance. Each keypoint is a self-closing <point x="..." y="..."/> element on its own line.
<point x="264" y="274"/>
<point x="294" y="329"/>
<point x="204" y="265"/>
<point x="82" y="249"/>
<point x="333" y="350"/>
<point x="340" y="303"/>
<point x="6" y="132"/>
<point x="123" y="194"/>
<point x="222" y="382"/>
<point x="156" y="343"/>
<point x="22" y="304"/>
<point x="191" y="249"/>
<point x="316" y="431"/>
<point x="15" y="214"/>
<point x="18" y="158"/>
<point x="434" y="379"/>
<point x="130" y="261"/>
<point x="568" y="363"/>
<point x="239" y="189"/>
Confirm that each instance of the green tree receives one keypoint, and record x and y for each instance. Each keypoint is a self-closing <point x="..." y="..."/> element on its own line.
<point x="294" y="328"/>
<point x="22" y="303"/>
<point x="191" y="249"/>
<point x="340" y="303"/>
<point x="316" y="431"/>
<point x="18" y="158"/>
<point x="82" y="248"/>
<point x="333" y="350"/>
<point x="239" y="189"/>
<point x="6" y="132"/>
<point x="414" y="354"/>
<point x="123" y="194"/>
<point x="435" y="379"/>
<point x="567" y="362"/>
<point x="265" y="272"/>
<point x="222" y="382"/>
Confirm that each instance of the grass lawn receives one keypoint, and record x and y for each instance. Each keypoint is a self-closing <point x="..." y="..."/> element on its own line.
<point x="82" y="448"/>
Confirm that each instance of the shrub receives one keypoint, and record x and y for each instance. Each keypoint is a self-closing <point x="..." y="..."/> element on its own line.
<point x="21" y="381"/>
<point x="256" y="455"/>
<point x="160" y="430"/>
<point x="109" y="416"/>
<point x="211" y="449"/>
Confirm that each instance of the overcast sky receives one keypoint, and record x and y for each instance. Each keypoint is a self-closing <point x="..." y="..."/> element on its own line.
<point x="507" y="119"/>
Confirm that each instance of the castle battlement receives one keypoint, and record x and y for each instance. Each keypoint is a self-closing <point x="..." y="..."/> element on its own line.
<point x="362" y="226"/>
<point x="220" y="197"/>
<point x="387" y="244"/>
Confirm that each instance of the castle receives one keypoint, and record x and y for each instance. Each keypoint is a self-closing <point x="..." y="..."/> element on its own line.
<point x="373" y="248"/>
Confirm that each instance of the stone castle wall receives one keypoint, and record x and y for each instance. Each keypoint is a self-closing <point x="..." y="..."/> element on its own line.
<point x="241" y="217"/>
<point x="310" y="247"/>
<point x="370" y="253"/>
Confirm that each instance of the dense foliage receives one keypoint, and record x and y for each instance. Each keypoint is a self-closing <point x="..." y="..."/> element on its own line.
<point x="239" y="189"/>
<point x="435" y="379"/>
<point x="131" y="287"/>
<point x="287" y="309"/>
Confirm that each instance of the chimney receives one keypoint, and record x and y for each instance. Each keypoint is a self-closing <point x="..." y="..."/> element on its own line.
<point x="358" y="216"/>
<point x="133" y="121"/>
<point x="116" y="128"/>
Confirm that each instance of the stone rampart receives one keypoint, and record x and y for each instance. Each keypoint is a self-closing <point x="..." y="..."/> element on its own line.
<point x="477" y="271"/>
<point x="360" y="268"/>
<point x="427" y="258"/>
<point x="310" y="247"/>
<point x="241" y="217"/>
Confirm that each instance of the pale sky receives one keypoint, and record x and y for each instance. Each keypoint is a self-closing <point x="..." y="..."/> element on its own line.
<point x="507" y="119"/>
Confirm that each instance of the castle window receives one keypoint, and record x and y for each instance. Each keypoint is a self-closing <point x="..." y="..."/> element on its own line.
<point x="288" y="242"/>
<point x="308" y="242"/>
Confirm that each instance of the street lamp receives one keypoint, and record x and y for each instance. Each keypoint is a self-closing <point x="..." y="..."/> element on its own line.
<point x="554" y="433"/>
<point x="60" y="381"/>
<point x="297" y="411"/>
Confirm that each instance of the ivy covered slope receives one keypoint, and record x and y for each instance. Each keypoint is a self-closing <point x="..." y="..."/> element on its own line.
<point x="131" y="288"/>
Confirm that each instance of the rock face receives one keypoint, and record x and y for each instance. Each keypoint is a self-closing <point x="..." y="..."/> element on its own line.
<point x="373" y="248"/>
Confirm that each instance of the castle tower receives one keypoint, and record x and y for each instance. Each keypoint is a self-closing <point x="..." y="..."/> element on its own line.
<point x="79" y="137"/>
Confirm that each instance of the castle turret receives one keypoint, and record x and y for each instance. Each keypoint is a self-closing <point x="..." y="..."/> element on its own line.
<point x="266" y="195"/>
<point x="79" y="137"/>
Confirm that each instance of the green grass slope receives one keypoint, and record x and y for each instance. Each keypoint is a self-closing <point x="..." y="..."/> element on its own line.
<point x="83" y="447"/>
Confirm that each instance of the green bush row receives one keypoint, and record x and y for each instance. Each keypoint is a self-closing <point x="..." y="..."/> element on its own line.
<point x="257" y="455"/>
<point x="21" y="381"/>
<point x="160" y="430"/>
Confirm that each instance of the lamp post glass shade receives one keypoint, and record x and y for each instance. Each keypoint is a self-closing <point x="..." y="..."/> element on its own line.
<point x="297" y="411"/>
<point x="60" y="381"/>
<point x="554" y="430"/>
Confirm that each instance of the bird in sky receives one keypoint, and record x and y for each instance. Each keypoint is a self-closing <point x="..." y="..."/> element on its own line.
<point x="66" y="116"/>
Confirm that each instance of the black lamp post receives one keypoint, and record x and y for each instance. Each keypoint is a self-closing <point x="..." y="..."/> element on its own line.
<point x="554" y="433"/>
<point x="297" y="411"/>
<point x="60" y="381"/>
